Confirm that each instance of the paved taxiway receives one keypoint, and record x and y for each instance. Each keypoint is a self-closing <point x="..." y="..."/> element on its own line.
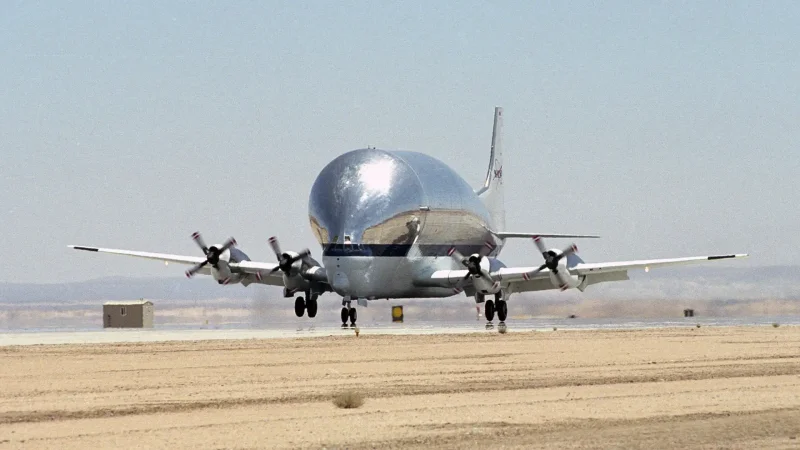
<point x="307" y="328"/>
<point x="655" y="388"/>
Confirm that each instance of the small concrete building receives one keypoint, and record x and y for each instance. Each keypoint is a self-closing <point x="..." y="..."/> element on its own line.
<point x="128" y="314"/>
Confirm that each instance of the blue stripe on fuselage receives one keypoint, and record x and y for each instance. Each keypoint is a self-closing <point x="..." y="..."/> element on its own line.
<point x="395" y="250"/>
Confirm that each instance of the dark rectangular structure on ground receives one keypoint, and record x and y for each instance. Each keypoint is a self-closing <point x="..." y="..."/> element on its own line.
<point x="128" y="314"/>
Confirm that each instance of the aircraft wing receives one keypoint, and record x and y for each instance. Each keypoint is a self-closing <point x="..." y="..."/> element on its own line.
<point x="509" y="234"/>
<point x="523" y="279"/>
<point x="244" y="267"/>
<point x="647" y="264"/>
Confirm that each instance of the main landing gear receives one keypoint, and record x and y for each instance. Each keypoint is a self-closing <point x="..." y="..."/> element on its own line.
<point x="348" y="313"/>
<point x="301" y="305"/>
<point x="498" y="306"/>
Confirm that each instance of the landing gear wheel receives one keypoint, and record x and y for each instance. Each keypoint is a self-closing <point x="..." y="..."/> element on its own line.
<point x="299" y="306"/>
<point x="345" y="315"/>
<point x="353" y="317"/>
<point x="489" y="310"/>
<point x="311" y="307"/>
<point x="502" y="310"/>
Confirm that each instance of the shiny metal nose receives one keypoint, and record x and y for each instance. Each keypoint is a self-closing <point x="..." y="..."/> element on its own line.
<point x="340" y="283"/>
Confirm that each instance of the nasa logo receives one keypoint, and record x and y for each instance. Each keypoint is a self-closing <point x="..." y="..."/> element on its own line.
<point x="498" y="173"/>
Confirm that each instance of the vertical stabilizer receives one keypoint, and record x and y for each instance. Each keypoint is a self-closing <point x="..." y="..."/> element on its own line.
<point x="492" y="191"/>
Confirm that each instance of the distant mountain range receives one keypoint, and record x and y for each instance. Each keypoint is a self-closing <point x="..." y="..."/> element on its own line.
<point x="709" y="283"/>
<point x="125" y="288"/>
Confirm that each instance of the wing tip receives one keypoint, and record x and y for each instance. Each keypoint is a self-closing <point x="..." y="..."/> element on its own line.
<point x="81" y="247"/>
<point x="731" y="256"/>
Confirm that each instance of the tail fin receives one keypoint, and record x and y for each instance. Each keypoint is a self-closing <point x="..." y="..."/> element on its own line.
<point x="492" y="190"/>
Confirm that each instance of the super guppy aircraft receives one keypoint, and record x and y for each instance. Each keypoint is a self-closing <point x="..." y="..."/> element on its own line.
<point x="401" y="224"/>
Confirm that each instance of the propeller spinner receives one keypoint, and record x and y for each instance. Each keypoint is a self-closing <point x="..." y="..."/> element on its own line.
<point x="551" y="260"/>
<point x="212" y="253"/>
<point x="473" y="264"/>
<point x="286" y="260"/>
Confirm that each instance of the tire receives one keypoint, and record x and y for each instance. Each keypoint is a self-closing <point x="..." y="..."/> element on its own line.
<point x="353" y="316"/>
<point x="299" y="306"/>
<point x="502" y="310"/>
<point x="311" y="307"/>
<point x="345" y="315"/>
<point x="489" y="310"/>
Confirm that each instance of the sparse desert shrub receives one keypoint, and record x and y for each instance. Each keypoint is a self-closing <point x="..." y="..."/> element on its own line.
<point x="348" y="400"/>
<point x="776" y="325"/>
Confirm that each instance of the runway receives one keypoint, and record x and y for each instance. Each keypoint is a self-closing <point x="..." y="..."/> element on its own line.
<point x="676" y="387"/>
<point x="310" y="328"/>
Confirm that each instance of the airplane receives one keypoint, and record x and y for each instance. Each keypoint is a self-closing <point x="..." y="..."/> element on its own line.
<point x="402" y="224"/>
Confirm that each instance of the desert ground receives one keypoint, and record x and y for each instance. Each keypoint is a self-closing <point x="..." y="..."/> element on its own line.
<point x="709" y="387"/>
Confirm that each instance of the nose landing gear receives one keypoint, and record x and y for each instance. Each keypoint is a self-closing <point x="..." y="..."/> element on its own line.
<point x="348" y="312"/>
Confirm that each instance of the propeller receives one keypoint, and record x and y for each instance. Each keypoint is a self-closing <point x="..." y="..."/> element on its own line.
<point x="551" y="260"/>
<point x="285" y="260"/>
<point x="472" y="263"/>
<point x="212" y="253"/>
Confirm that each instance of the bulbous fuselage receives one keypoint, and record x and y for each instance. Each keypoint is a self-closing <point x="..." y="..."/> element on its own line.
<point x="383" y="218"/>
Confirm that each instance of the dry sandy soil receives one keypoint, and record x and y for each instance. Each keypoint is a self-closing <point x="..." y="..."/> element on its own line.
<point x="657" y="388"/>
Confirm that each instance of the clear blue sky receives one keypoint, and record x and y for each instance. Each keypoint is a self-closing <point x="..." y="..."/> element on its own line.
<point x="670" y="128"/>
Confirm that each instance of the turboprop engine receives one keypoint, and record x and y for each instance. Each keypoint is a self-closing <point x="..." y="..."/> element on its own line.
<point x="295" y="267"/>
<point x="555" y="261"/>
<point x="478" y="269"/>
<point x="560" y="277"/>
<point x="218" y="257"/>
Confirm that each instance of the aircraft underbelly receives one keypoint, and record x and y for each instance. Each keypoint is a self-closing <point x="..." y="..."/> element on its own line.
<point x="383" y="277"/>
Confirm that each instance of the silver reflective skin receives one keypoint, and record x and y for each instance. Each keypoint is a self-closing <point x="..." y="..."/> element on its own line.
<point x="385" y="218"/>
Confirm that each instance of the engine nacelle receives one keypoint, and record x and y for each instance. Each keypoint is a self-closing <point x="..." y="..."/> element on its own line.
<point x="222" y="271"/>
<point x="563" y="279"/>
<point x="485" y="286"/>
<point x="482" y="284"/>
<point x="296" y="266"/>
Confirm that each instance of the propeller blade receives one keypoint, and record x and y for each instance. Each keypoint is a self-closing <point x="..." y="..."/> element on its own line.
<point x="487" y="248"/>
<point x="302" y="255"/>
<point x="456" y="255"/>
<point x="527" y="276"/>
<point x="190" y="273"/>
<point x="540" y="244"/>
<point x="285" y="264"/>
<point x="567" y="251"/>
<point x="228" y="244"/>
<point x="562" y="277"/>
<point x="198" y="239"/>
<point x="459" y="287"/>
<point x="276" y="247"/>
